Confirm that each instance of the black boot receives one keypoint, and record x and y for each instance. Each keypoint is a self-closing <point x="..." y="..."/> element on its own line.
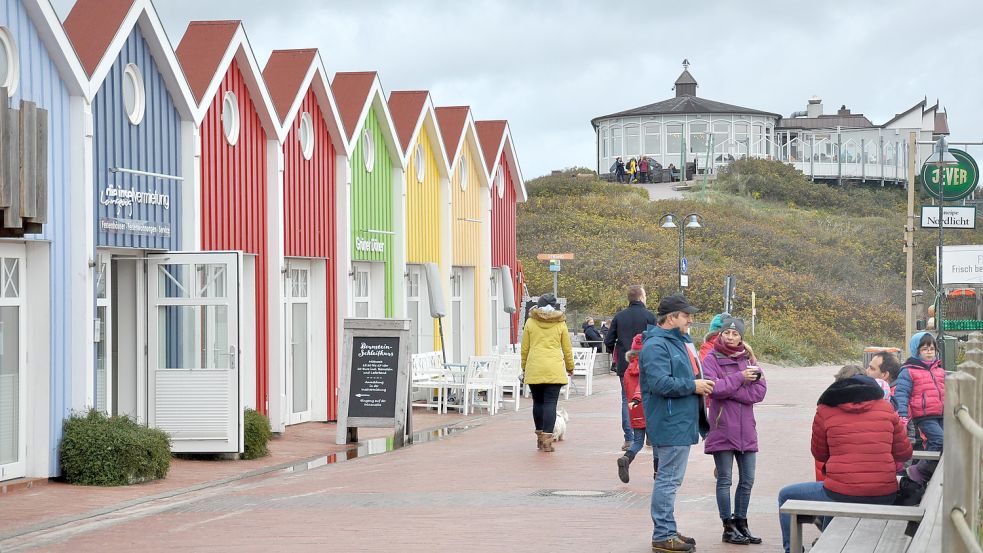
<point x="741" y="524"/>
<point x="732" y="534"/>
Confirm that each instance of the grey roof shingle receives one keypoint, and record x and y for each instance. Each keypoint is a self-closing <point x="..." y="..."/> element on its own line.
<point x="685" y="105"/>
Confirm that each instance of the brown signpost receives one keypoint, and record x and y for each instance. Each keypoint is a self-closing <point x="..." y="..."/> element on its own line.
<point x="551" y="256"/>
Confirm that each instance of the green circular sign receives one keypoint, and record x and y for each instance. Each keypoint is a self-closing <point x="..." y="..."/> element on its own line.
<point x="960" y="180"/>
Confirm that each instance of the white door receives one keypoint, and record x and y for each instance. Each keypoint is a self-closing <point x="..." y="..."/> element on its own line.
<point x="369" y="290"/>
<point x="457" y="309"/>
<point x="13" y="358"/>
<point x="102" y="381"/>
<point x="298" y="318"/>
<point x="193" y="350"/>
<point x="415" y="308"/>
<point x="493" y="291"/>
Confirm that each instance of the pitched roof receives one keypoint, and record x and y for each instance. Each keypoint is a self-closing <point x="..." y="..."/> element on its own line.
<point x="91" y="26"/>
<point x="452" y="121"/>
<point x="284" y="74"/>
<point x="920" y="106"/>
<point x="201" y="51"/>
<point x="351" y="91"/>
<point x="490" y="135"/>
<point x="58" y="46"/>
<point x="685" y="105"/>
<point x="852" y="121"/>
<point x="685" y="78"/>
<point x="405" y="107"/>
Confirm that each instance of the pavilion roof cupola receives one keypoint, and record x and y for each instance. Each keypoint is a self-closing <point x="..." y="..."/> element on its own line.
<point x="685" y="85"/>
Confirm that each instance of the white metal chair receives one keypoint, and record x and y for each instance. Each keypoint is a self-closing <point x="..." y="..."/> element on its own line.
<point x="508" y="380"/>
<point x="583" y="365"/>
<point x="428" y="375"/>
<point x="455" y="381"/>
<point x="481" y="376"/>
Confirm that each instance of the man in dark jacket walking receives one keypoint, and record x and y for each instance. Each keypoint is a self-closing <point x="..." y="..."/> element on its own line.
<point x="671" y="385"/>
<point x="629" y="322"/>
<point x="592" y="336"/>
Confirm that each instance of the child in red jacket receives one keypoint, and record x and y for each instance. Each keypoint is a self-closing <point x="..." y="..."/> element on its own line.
<point x="636" y="415"/>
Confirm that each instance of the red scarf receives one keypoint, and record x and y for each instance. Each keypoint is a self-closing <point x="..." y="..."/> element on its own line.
<point x="730" y="351"/>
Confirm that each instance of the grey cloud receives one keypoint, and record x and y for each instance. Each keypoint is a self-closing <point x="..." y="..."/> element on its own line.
<point x="549" y="67"/>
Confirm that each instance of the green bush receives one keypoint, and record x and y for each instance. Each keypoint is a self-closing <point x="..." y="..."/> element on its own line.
<point x="97" y="450"/>
<point x="257" y="433"/>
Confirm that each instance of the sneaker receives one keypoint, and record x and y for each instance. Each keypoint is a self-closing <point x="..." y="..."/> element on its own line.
<point x="623" y="463"/>
<point x="626" y="446"/>
<point x="672" y="544"/>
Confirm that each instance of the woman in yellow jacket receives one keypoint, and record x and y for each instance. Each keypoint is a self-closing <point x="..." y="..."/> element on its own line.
<point x="547" y="359"/>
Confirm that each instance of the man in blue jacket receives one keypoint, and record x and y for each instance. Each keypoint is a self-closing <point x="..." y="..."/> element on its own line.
<point x="672" y="386"/>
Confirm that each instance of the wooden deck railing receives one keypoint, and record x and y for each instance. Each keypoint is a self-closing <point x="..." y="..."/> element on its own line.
<point x="962" y="497"/>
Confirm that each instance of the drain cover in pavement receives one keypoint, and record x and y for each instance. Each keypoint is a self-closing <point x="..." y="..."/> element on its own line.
<point x="575" y="493"/>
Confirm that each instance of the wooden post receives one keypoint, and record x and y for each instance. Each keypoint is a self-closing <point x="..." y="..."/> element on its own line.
<point x="909" y="241"/>
<point x="41" y="169"/>
<point x="960" y="470"/>
<point x="28" y="160"/>
<point x="11" y="191"/>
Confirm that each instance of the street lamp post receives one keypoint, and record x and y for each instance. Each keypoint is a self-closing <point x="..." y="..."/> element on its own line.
<point x="941" y="159"/>
<point x="692" y="221"/>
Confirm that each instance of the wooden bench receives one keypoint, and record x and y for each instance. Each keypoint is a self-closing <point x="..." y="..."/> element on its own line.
<point x="859" y="528"/>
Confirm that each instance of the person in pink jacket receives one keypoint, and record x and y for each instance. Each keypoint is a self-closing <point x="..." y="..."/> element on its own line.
<point x="636" y="414"/>
<point x="738" y="385"/>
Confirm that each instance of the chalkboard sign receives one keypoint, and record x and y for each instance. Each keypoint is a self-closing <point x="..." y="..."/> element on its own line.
<point x="374" y="378"/>
<point x="374" y="369"/>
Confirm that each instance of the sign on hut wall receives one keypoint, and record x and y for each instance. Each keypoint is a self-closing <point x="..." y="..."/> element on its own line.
<point x="23" y="168"/>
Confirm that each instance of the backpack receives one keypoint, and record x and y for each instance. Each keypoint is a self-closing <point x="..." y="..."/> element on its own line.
<point x="909" y="492"/>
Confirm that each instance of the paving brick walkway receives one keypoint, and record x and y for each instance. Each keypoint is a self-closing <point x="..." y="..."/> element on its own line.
<point x="484" y="489"/>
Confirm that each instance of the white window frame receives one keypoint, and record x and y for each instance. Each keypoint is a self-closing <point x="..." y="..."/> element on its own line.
<point x="132" y="72"/>
<point x="368" y="149"/>
<point x="657" y="134"/>
<point x="420" y="160"/>
<point x="230" y="109"/>
<point x="500" y="182"/>
<point x="305" y="135"/>
<point x="463" y="172"/>
<point x="13" y="61"/>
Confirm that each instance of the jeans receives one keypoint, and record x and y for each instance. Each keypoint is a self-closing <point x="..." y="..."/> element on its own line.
<point x="725" y="470"/>
<point x="637" y="443"/>
<point x="933" y="429"/>
<point x="672" y="468"/>
<point x="625" y="421"/>
<point x="809" y="491"/>
<point x="544" y="400"/>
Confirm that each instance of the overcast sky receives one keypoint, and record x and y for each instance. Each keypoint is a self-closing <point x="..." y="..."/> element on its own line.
<point x="549" y="67"/>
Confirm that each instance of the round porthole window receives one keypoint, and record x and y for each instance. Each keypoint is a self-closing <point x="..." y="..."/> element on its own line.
<point x="230" y="118"/>
<point x="368" y="150"/>
<point x="462" y="173"/>
<point x="134" y="96"/>
<point x="306" y="135"/>
<point x="421" y="168"/>
<point x="9" y="64"/>
<point x="500" y="183"/>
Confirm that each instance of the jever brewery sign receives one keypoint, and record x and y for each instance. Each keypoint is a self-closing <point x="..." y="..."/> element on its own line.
<point x="958" y="181"/>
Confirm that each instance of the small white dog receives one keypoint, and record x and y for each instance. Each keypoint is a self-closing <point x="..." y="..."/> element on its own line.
<point x="560" y="428"/>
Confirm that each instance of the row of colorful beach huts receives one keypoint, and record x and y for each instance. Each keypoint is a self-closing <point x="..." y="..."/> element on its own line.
<point x="185" y="230"/>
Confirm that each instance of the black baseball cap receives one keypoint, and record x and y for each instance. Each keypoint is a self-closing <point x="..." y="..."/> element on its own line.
<point x="673" y="303"/>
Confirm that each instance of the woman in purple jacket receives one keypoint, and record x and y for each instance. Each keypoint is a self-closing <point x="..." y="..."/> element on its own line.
<point x="738" y="385"/>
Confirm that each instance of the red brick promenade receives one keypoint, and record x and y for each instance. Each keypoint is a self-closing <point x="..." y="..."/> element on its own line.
<point x="483" y="489"/>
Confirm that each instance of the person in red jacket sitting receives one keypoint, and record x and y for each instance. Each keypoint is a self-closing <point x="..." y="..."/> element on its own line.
<point x="859" y="438"/>
<point x="636" y="414"/>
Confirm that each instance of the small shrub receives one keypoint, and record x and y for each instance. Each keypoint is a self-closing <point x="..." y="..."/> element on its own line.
<point x="97" y="450"/>
<point x="257" y="433"/>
